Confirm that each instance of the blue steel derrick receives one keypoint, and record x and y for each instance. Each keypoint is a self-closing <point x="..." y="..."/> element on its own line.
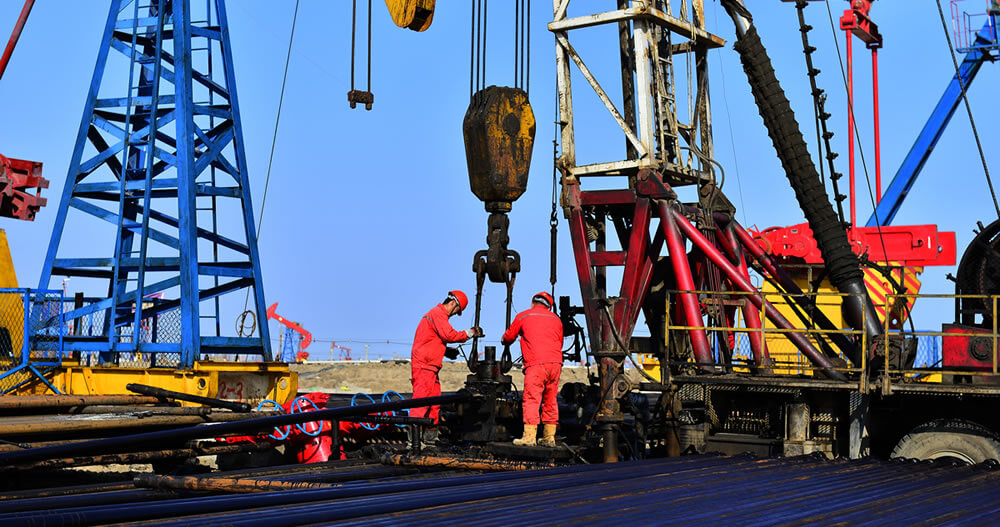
<point x="169" y="152"/>
<point x="921" y="150"/>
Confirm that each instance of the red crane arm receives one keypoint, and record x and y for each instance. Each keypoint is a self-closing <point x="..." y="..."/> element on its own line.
<point x="307" y="337"/>
<point x="28" y="4"/>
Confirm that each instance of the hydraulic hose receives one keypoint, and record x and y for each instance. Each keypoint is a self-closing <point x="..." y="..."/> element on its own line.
<point x="841" y="262"/>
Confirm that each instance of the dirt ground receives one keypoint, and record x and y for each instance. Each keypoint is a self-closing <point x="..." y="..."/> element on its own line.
<point x="377" y="377"/>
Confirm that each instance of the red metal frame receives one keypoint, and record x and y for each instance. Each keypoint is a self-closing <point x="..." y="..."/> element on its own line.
<point x="856" y="22"/>
<point x="909" y="245"/>
<point x="17" y="178"/>
<point x="651" y="198"/>
<point x="306" y="336"/>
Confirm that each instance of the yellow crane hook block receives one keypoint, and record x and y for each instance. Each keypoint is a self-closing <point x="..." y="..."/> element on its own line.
<point x="499" y="131"/>
<point x="412" y="14"/>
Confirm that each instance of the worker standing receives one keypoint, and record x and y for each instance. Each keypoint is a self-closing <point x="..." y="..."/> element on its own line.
<point x="429" y="345"/>
<point x="541" y="335"/>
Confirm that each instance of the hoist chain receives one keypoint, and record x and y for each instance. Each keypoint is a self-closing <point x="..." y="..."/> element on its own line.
<point x="819" y="107"/>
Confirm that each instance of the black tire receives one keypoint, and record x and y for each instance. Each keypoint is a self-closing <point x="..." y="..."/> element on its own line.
<point x="946" y="439"/>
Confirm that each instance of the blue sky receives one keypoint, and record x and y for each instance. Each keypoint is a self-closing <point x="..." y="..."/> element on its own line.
<point x="369" y="219"/>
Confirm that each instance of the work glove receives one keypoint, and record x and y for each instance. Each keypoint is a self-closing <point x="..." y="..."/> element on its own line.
<point x="451" y="353"/>
<point x="474" y="332"/>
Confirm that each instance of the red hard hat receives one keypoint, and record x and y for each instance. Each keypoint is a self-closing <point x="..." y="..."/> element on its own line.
<point x="459" y="297"/>
<point x="544" y="299"/>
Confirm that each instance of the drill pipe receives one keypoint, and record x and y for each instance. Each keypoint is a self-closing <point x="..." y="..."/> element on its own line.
<point x="362" y="499"/>
<point x="460" y="463"/>
<point x="389" y="420"/>
<point x="25" y="425"/>
<point x="148" y="410"/>
<point x="214" y="484"/>
<point x="21" y="402"/>
<point x="208" y="401"/>
<point x="129" y="458"/>
<point x="216" y="430"/>
<point x="276" y="471"/>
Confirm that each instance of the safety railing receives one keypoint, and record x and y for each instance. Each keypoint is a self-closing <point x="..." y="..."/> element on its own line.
<point x="90" y="334"/>
<point x="967" y="27"/>
<point x="31" y="336"/>
<point x="785" y="356"/>
<point x="969" y="352"/>
<point x="883" y="363"/>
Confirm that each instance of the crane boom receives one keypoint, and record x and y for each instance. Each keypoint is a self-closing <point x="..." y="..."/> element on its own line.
<point x="15" y="35"/>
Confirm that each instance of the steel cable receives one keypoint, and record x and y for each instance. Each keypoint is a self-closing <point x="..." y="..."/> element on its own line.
<point x="968" y="108"/>
<point x="274" y="137"/>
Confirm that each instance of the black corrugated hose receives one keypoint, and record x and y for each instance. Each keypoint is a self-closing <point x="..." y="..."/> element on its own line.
<point x="841" y="263"/>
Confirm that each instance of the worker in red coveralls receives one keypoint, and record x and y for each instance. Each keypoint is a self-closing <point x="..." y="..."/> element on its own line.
<point x="541" y="333"/>
<point x="428" y="352"/>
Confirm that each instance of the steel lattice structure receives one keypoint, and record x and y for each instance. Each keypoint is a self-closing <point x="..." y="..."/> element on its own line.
<point x="159" y="165"/>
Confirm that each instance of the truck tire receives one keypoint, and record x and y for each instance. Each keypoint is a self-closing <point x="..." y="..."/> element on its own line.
<point x="945" y="439"/>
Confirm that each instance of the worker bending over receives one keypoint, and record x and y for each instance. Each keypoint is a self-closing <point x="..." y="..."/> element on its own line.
<point x="541" y="335"/>
<point x="427" y="354"/>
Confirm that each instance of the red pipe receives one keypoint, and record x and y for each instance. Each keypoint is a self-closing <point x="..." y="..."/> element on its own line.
<point x="786" y="282"/>
<point x="750" y="316"/>
<point x="585" y="270"/>
<point x="878" y="146"/>
<point x="685" y="282"/>
<point x="850" y="119"/>
<point x="9" y="50"/>
<point x="800" y="341"/>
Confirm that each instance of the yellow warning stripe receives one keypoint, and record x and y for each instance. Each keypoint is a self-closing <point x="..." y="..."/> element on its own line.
<point x="878" y="287"/>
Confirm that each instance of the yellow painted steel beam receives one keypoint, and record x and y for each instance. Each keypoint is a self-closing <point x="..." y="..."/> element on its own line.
<point x="236" y="381"/>
<point x="11" y="307"/>
<point x="7" y="276"/>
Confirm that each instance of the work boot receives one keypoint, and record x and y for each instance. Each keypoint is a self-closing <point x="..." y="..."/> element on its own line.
<point x="528" y="437"/>
<point x="548" y="436"/>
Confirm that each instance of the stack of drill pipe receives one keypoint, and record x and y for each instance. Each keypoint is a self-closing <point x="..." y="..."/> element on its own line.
<point x="739" y="490"/>
<point x="42" y="421"/>
<point x="36" y="402"/>
<point x="126" y="491"/>
<point x="175" y="429"/>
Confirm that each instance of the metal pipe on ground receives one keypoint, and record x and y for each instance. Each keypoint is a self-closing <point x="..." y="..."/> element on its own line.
<point x="24" y="402"/>
<point x="148" y="410"/>
<point x="90" y="489"/>
<point x="215" y="484"/>
<point x="389" y="420"/>
<point x="351" y="475"/>
<point x="329" y="510"/>
<point x="129" y="458"/>
<point x="448" y="489"/>
<point x="28" y="425"/>
<point x="180" y="396"/>
<point x="461" y="463"/>
<point x="219" y="429"/>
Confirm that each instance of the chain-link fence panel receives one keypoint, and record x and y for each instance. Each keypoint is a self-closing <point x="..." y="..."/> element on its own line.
<point x="31" y="333"/>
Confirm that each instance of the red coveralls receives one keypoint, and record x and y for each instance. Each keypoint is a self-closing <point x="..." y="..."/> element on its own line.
<point x="433" y="332"/>
<point x="541" y="346"/>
